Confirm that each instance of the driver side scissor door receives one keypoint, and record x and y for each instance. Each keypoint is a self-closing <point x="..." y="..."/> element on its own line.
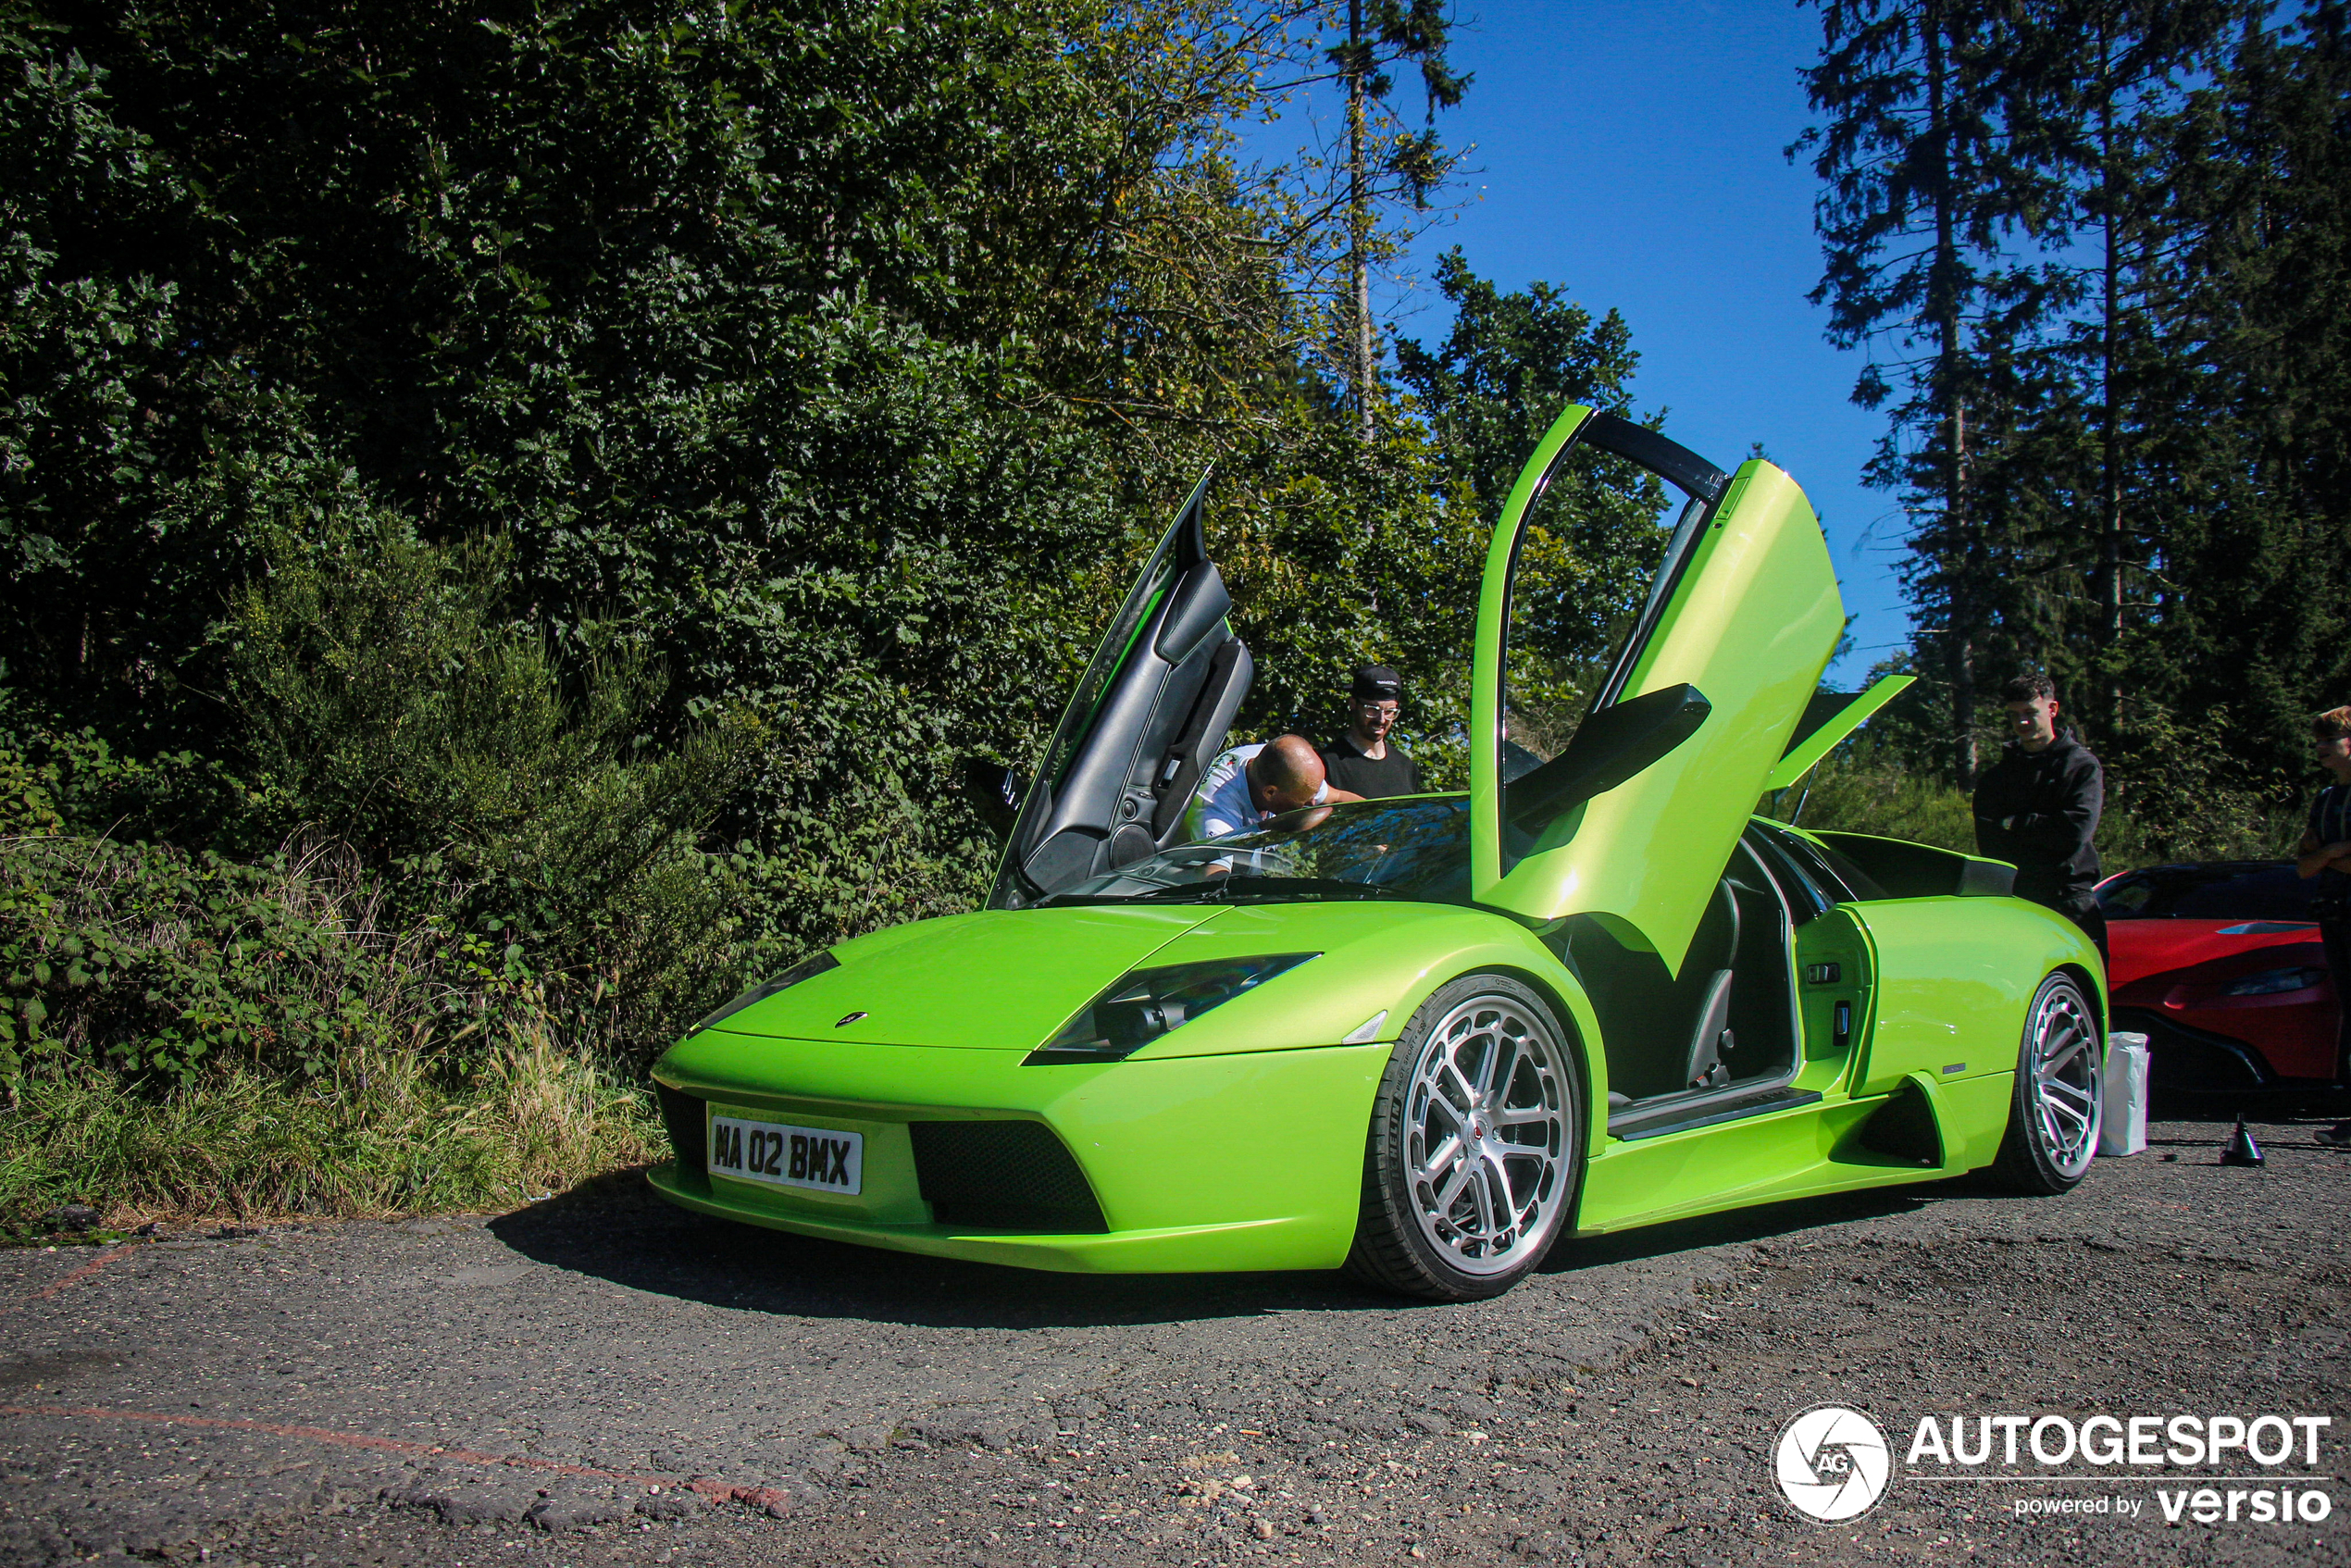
<point x="1148" y="715"/>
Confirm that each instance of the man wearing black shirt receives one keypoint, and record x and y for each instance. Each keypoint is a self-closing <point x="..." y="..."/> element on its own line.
<point x="2037" y="808"/>
<point x="1362" y="760"/>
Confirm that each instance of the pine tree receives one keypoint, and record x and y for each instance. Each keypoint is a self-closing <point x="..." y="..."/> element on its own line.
<point x="2251" y="616"/>
<point x="1385" y="162"/>
<point x="1918" y="188"/>
<point x="2088" y="92"/>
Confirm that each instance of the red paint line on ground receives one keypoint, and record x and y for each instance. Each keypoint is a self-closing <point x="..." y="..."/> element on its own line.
<point x="719" y="1491"/>
<point x="85" y="1272"/>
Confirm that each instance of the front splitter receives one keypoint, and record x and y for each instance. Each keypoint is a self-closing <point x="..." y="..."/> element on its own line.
<point x="1249" y="1245"/>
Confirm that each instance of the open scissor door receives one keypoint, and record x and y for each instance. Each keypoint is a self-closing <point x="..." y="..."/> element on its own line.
<point x="1637" y="704"/>
<point x="1148" y="715"/>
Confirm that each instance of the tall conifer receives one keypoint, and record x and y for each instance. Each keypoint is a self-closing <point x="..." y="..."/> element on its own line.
<point x="1916" y="190"/>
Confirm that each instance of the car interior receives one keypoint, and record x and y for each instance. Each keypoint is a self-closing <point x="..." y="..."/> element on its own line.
<point x="1729" y="1020"/>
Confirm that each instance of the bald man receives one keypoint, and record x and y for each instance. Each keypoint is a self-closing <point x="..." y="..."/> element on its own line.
<point x="1249" y="784"/>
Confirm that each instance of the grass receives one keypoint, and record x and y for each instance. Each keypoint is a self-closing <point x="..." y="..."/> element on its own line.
<point x="181" y="1036"/>
<point x="381" y="1134"/>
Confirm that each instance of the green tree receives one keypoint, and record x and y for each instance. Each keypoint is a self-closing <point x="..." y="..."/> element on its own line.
<point x="1920" y="185"/>
<point x="1505" y="370"/>
<point x="1488" y="391"/>
<point x="821" y="344"/>
<point x="2245" y="415"/>
<point x="1379" y="37"/>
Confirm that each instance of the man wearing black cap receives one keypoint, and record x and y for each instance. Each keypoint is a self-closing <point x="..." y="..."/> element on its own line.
<point x="1361" y="761"/>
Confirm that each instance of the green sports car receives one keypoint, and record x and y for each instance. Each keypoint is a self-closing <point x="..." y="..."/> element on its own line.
<point x="1424" y="1038"/>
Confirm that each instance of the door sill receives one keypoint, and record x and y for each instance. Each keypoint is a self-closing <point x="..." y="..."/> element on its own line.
<point x="1655" y="1119"/>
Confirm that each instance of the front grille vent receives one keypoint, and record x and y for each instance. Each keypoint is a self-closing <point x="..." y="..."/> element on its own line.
<point x="1003" y="1175"/>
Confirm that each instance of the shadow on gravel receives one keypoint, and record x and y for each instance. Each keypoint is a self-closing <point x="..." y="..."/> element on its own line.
<point x="615" y="1229"/>
<point x="1765" y="1222"/>
<point x="2287" y="1112"/>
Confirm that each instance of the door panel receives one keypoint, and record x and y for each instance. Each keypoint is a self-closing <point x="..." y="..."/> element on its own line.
<point x="1742" y="608"/>
<point x="1149" y="713"/>
<point x="1833" y="993"/>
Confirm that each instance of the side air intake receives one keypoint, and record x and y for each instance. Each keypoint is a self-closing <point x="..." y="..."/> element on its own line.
<point x="1003" y="1175"/>
<point x="1904" y="1128"/>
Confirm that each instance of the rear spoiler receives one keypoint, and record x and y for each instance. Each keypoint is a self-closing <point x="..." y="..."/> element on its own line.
<point x="1828" y="718"/>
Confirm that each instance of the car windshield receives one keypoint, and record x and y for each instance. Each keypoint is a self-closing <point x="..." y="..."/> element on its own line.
<point x="1408" y="849"/>
<point x="2230" y="891"/>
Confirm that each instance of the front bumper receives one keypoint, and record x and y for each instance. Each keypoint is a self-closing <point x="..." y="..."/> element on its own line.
<point x="1197" y="1164"/>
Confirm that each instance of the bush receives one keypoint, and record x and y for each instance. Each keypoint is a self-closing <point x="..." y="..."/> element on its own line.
<point x="2174" y="818"/>
<point x="489" y="906"/>
<point x="507" y="798"/>
<point x="154" y="962"/>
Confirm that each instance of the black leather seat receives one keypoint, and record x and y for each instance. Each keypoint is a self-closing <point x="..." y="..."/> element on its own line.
<point x="1704" y="989"/>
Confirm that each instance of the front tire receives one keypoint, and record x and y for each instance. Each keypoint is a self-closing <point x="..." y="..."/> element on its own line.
<point x="2061" y="1078"/>
<point x="1475" y="1143"/>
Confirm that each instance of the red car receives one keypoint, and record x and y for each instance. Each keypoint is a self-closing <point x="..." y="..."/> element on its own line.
<point x="2218" y="965"/>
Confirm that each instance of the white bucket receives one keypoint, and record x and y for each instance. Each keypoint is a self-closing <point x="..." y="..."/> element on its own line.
<point x="2122" y="1120"/>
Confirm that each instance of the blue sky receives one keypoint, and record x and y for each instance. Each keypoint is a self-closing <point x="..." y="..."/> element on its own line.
<point x="1632" y="155"/>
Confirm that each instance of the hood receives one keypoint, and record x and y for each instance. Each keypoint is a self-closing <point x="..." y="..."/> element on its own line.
<point x="998" y="980"/>
<point x="2161" y="948"/>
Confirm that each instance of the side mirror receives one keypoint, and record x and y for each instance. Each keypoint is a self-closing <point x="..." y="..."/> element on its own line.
<point x="1613" y="744"/>
<point x="995" y="792"/>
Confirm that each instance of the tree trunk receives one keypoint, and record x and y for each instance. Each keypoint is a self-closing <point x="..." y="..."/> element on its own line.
<point x="1359" y="220"/>
<point x="2109" y="569"/>
<point x="1943" y="310"/>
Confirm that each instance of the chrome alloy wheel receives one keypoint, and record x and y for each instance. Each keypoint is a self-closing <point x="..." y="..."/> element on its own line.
<point x="2063" y="1059"/>
<point x="1486" y="1135"/>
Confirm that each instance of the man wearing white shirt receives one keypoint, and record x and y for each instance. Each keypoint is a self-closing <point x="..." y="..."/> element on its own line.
<point x="1249" y="784"/>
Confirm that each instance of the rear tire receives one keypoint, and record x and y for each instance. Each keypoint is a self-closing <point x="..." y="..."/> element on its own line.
<point x="2061" y="1078"/>
<point x="1475" y="1145"/>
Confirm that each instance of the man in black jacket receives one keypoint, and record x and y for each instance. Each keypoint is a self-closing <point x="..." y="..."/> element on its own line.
<point x="2037" y="808"/>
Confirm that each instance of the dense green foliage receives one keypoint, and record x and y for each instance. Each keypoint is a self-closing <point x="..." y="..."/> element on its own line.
<point x="512" y="518"/>
<point x="2100" y="256"/>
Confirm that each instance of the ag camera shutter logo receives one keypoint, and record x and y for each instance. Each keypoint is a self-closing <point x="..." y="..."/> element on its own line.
<point x="1832" y="1464"/>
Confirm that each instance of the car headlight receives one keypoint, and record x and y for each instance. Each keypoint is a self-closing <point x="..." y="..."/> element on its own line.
<point x="1147" y="1004"/>
<point x="807" y="968"/>
<point x="2271" y="982"/>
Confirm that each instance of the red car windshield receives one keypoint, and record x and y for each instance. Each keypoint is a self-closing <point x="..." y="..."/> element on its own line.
<point x="2236" y="889"/>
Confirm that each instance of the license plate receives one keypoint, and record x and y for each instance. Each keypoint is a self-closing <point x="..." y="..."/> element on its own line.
<point x="822" y="1159"/>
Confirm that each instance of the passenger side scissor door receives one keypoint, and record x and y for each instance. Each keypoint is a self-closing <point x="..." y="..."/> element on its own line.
<point x="1657" y="701"/>
<point x="1148" y="716"/>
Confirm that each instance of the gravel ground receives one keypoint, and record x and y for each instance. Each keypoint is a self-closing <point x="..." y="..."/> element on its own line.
<point x="600" y="1379"/>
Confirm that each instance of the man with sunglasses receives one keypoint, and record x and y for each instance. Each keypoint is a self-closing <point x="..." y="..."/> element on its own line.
<point x="1361" y="761"/>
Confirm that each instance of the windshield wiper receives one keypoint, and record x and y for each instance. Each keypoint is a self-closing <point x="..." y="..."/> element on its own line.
<point x="1235" y="889"/>
<point x="1237" y="886"/>
<point x="1175" y="892"/>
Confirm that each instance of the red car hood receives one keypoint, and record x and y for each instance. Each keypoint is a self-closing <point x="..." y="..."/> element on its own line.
<point x="2179" y="972"/>
<point x="2144" y="950"/>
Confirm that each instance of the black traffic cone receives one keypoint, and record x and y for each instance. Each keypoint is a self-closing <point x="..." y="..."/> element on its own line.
<point x="2240" y="1149"/>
